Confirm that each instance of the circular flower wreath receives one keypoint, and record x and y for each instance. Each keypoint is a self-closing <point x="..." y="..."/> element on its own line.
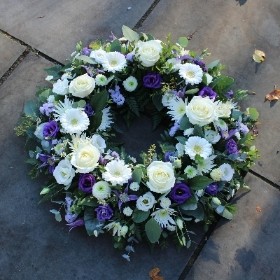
<point x="190" y="175"/>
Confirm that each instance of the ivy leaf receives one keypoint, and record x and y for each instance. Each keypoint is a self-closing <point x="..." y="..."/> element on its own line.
<point x="133" y="106"/>
<point x="183" y="42"/>
<point x="129" y="34"/>
<point x="153" y="230"/>
<point x="200" y="182"/>
<point x="222" y="83"/>
<point x="99" y="100"/>
<point x="140" y="216"/>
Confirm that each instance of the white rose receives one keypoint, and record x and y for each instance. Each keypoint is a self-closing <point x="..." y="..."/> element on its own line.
<point x="201" y="110"/>
<point x="85" y="158"/>
<point x="148" y="52"/>
<point x="82" y="86"/>
<point x="60" y="87"/>
<point x="223" y="110"/>
<point x="98" y="142"/>
<point x="64" y="172"/>
<point x="161" y="176"/>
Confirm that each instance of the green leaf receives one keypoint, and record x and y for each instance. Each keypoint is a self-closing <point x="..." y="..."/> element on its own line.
<point x="192" y="91"/>
<point x="157" y="100"/>
<point x="30" y="108"/>
<point x="185" y="123"/>
<point x="115" y="46"/>
<point x="54" y="71"/>
<point x="181" y="139"/>
<point x="200" y="182"/>
<point x="81" y="103"/>
<point x="140" y="216"/>
<point x="44" y="191"/>
<point x="190" y="204"/>
<point x="57" y="215"/>
<point x="253" y="113"/>
<point x="226" y="214"/>
<point x="91" y="223"/>
<point x="153" y="230"/>
<point x="197" y="131"/>
<point x="156" y="120"/>
<point x="86" y="59"/>
<point x="129" y="34"/>
<point x="99" y="100"/>
<point x="96" y="120"/>
<point x="183" y="42"/>
<point x="88" y="201"/>
<point x="133" y="106"/>
<point x="213" y="64"/>
<point x="222" y="83"/>
<point x="44" y="95"/>
<point x="137" y="174"/>
<point x="198" y="213"/>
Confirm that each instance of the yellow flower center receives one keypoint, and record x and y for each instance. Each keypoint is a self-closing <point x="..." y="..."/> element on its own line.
<point x="197" y="149"/>
<point x="190" y="74"/>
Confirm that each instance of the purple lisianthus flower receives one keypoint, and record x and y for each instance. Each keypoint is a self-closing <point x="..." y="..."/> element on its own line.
<point x="230" y="94"/>
<point x="231" y="147"/>
<point x="124" y="197"/>
<point x="201" y="64"/>
<point x="243" y="128"/>
<point x="130" y="56"/>
<point x="50" y="129"/>
<point x="185" y="57"/>
<point x="152" y="80"/>
<point x="180" y="93"/>
<point x="212" y="189"/>
<point x="77" y="223"/>
<point x="103" y="161"/>
<point x="86" y="182"/>
<point x="89" y="110"/>
<point x="86" y="51"/>
<point x="167" y="155"/>
<point x="180" y="193"/>
<point x="208" y="92"/>
<point x="46" y="108"/>
<point x="47" y="161"/>
<point x="104" y="212"/>
<point x="174" y="129"/>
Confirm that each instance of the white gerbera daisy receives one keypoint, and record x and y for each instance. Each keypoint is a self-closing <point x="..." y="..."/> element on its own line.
<point x="101" y="80"/>
<point x="212" y="136"/>
<point x="165" y="202"/>
<point x="163" y="217"/>
<point x="114" y="62"/>
<point x="145" y="202"/>
<point x="191" y="73"/>
<point x="61" y="107"/>
<point x="198" y="146"/>
<point x="117" y="172"/>
<point x="98" y="55"/>
<point x="227" y="172"/>
<point x="177" y="109"/>
<point x="130" y="84"/>
<point x="101" y="190"/>
<point x="106" y="119"/>
<point x="74" y="120"/>
<point x="190" y="171"/>
<point x="206" y="165"/>
<point x="127" y="211"/>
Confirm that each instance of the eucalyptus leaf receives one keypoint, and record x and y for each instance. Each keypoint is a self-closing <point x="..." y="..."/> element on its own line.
<point x="57" y="215"/>
<point x="153" y="230"/>
<point x="91" y="223"/>
<point x="213" y="64"/>
<point x="99" y="100"/>
<point x="192" y="91"/>
<point x="137" y="174"/>
<point x="140" y="216"/>
<point x="190" y="204"/>
<point x="30" y="108"/>
<point x="200" y="182"/>
<point x="185" y="123"/>
<point x="85" y="59"/>
<point x="183" y="42"/>
<point x="226" y="214"/>
<point x="129" y="34"/>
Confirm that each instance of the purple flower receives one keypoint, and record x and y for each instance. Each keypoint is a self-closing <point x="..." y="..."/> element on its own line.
<point x="231" y="147"/>
<point x="212" y="189"/>
<point x="86" y="51"/>
<point x="167" y="155"/>
<point x="174" y="129"/>
<point x="46" y="108"/>
<point x="77" y="223"/>
<point x="89" y="110"/>
<point x="185" y="57"/>
<point x="116" y="96"/>
<point x="180" y="193"/>
<point x="229" y="94"/>
<point x="200" y="63"/>
<point x="114" y="154"/>
<point x="243" y="128"/>
<point x="130" y="57"/>
<point x="50" y="129"/>
<point x="124" y="197"/>
<point x="103" y="161"/>
<point x="104" y="212"/>
<point x="47" y="161"/>
<point x="208" y="92"/>
<point x="152" y="80"/>
<point x="86" y="182"/>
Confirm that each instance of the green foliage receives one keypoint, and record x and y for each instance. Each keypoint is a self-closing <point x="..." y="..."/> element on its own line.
<point x="200" y="182"/>
<point x="133" y="105"/>
<point x="115" y="46"/>
<point x="92" y="224"/>
<point x="153" y="230"/>
<point x="31" y="108"/>
<point x="99" y="100"/>
<point x="85" y="59"/>
<point x="140" y="216"/>
<point x="183" y="42"/>
<point x="222" y="84"/>
<point x="253" y="114"/>
<point x="137" y="174"/>
<point x="129" y="34"/>
<point x="57" y="215"/>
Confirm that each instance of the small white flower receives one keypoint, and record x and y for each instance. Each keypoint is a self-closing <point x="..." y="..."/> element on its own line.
<point x="51" y="98"/>
<point x="180" y="148"/>
<point x="198" y="146"/>
<point x="98" y="142"/>
<point x="134" y="186"/>
<point x="175" y="62"/>
<point x="101" y="80"/>
<point x="106" y="119"/>
<point x="82" y="86"/>
<point x="99" y="55"/>
<point x="191" y="73"/>
<point x="165" y="202"/>
<point x="114" y="62"/>
<point x="115" y="226"/>
<point x="101" y="190"/>
<point x="163" y="217"/>
<point x="227" y="172"/>
<point x="60" y="87"/>
<point x="117" y="172"/>
<point x="212" y="136"/>
<point x="67" y="75"/>
<point x="64" y="172"/>
<point x="190" y="171"/>
<point x="49" y="78"/>
<point x="177" y="109"/>
<point x="216" y="174"/>
<point x="206" y="165"/>
<point x="167" y="97"/>
<point x="130" y="84"/>
<point x="188" y="131"/>
<point x="127" y="211"/>
<point x="145" y="202"/>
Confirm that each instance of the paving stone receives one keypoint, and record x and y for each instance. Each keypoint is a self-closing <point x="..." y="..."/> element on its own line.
<point x="9" y="52"/>
<point x="248" y="246"/>
<point x="232" y="30"/>
<point x="54" y="27"/>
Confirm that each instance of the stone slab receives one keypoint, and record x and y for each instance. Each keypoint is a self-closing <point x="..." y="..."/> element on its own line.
<point x="232" y="30"/>
<point x="32" y="244"/>
<point x="9" y="52"/>
<point x="54" y="27"/>
<point x="248" y="246"/>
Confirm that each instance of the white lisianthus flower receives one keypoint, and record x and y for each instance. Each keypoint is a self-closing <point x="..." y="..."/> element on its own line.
<point x="127" y="211"/>
<point x="180" y="149"/>
<point x="163" y="217"/>
<point x="106" y="119"/>
<point x="212" y="136"/>
<point x="145" y="202"/>
<point x="175" y="62"/>
<point x="60" y="87"/>
<point x="134" y="186"/>
<point x="82" y="86"/>
<point x="117" y="172"/>
<point x="98" y="55"/>
<point x="148" y="52"/>
<point x="39" y="131"/>
<point x="201" y="110"/>
<point x="98" y="142"/>
<point x="167" y="98"/>
<point x="191" y="73"/>
<point x="74" y="120"/>
<point x="114" y="62"/>
<point x="130" y="84"/>
<point x="206" y="165"/>
<point x="161" y="176"/>
<point x="198" y="146"/>
<point x="64" y="172"/>
<point x="177" y="108"/>
<point x="101" y="80"/>
<point x="85" y="158"/>
<point x="223" y="110"/>
<point x="101" y="190"/>
<point x="216" y="174"/>
<point x="227" y="172"/>
<point x="165" y="202"/>
<point x="190" y="171"/>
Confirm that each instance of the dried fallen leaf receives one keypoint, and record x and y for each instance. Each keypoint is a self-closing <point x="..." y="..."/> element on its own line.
<point x="274" y="95"/>
<point x="154" y="274"/>
<point x="259" y="56"/>
<point x="258" y="209"/>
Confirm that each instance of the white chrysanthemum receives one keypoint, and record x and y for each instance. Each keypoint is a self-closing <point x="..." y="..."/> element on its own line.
<point x="163" y="217"/>
<point x="223" y="109"/>
<point x="117" y="172"/>
<point x="127" y="211"/>
<point x="191" y="73"/>
<point x="145" y="202"/>
<point x="74" y="120"/>
<point x="216" y="174"/>
<point x="198" y="146"/>
<point x="98" y="142"/>
<point x="167" y="97"/>
<point x="190" y="171"/>
<point x="62" y="107"/>
<point x="188" y="131"/>
<point x="177" y="108"/>
<point x="130" y="84"/>
<point x="134" y="186"/>
<point x="206" y="165"/>
<point x="101" y="190"/>
<point x="60" y="87"/>
<point x="98" y="55"/>
<point x="212" y="136"/>
<point x="227" y="172"/>
<point x="114" y="62"/>
<point x="101" y="80"/>
<point x="180" y="148"/>
<point x="115" y="226"/>
<point x="64" y="172"/>
<point x="106" y="119"/>
<point x="165" y="202"/>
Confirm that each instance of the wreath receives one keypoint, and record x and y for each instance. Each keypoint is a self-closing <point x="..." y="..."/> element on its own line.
<point x="190" y="175"/>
